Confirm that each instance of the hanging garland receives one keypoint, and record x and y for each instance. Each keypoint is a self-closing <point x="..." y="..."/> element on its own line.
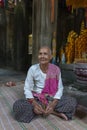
<point x="77" y="3"/>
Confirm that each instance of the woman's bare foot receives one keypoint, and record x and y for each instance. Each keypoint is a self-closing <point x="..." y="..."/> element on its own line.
<point x="61" y="115"/>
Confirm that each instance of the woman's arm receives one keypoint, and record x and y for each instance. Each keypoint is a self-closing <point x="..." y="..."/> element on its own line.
<point x="29" y="83"/>
<point x="59" y="93"/>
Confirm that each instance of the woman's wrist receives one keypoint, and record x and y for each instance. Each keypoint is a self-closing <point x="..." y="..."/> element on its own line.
<point x="30" y="100"/>
<point x="54" y="102"/>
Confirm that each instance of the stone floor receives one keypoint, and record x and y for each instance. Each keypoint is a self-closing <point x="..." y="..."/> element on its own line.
<point x="11" y="75"/>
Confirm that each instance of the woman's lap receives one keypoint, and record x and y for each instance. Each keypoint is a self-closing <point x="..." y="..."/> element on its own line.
<point x="23" y="110"/>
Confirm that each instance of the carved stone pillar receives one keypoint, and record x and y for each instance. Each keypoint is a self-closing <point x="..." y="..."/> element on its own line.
<point x="43" y="24"/>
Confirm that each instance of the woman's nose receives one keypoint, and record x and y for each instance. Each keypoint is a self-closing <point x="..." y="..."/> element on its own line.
<point x="42" y="55"/>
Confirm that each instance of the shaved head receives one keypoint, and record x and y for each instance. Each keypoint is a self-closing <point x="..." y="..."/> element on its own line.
<point x="46" y="47"/>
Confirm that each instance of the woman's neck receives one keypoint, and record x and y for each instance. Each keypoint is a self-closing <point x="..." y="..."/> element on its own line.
<point x="44" y="68"/>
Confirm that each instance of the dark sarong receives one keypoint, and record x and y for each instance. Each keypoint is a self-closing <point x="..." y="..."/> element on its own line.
<point x="23" y="110"/>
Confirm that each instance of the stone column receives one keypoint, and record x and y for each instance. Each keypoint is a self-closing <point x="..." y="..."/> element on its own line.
<point x="44" y="23"/>
<point x="2" y="36"/>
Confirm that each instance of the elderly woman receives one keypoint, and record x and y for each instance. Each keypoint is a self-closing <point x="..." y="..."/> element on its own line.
<point x="44" y="92"/>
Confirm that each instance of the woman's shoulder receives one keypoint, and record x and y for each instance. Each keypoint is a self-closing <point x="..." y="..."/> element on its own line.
<point x="54" y="66"/>
<point x="34" y="67"/>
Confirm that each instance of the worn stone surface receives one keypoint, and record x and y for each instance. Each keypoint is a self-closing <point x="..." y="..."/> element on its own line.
<point x="71" y="86"/>
<point x="7" y="75"/>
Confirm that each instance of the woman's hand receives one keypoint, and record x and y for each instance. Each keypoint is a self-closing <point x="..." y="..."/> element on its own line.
<point x="37" y="108"/>
<point x="50" y="107"/>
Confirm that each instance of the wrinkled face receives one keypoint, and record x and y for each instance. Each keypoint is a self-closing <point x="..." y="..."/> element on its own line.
<point x="44" y="55"/>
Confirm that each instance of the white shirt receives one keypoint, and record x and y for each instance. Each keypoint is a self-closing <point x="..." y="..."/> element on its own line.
<point x="35" y="82"/>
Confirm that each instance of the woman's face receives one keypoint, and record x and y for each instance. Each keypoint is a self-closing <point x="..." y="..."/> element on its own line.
<point x="44" y="55"/>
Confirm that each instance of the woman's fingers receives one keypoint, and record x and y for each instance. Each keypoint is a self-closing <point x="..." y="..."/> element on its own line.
<point x="49" y="110"/>
<point x="38" y="109"/>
